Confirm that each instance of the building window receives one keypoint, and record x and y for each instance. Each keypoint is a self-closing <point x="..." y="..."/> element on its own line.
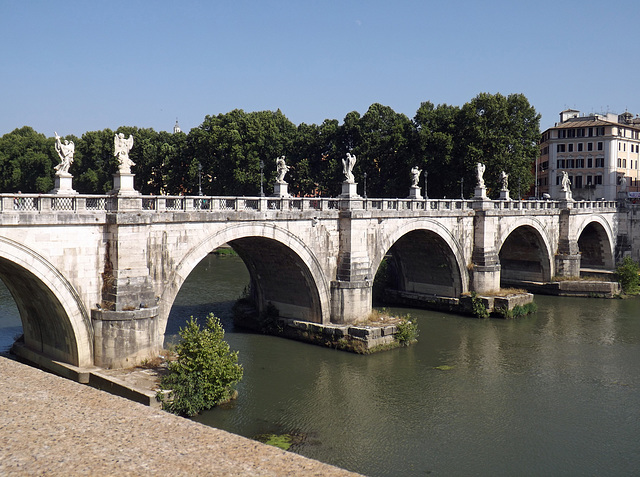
<point x="579" y="163"/>
<point x="600" y="146"/>
<point x="579" y="147"/>
<point x="578" y="182"/>
<point x="589" y="146"/>
<point x="599" y="161"/>
<point x="570" y="147"/>
<point x="619" y="162"/>
<point x="560" y="148"/>
<point x="598" y="180"/>
<point x="570" y="164"/>
<point x="590" y="162"/>
<point x="589" y="181"/>
<point x="590" y="132"/>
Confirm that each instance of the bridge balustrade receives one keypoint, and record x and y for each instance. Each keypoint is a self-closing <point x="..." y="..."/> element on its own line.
<point x="102" y="203"/>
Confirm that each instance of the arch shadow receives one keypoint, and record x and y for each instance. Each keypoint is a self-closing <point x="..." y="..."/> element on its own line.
<point x="54" y="319"/>
<point x="425" y="258"/>
<point x="524" y="254"/>
<point x="282" y="269"/>
<point x="596" y="244"/>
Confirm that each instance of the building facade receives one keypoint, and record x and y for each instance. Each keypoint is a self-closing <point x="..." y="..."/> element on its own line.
<point x="599" y="152"/>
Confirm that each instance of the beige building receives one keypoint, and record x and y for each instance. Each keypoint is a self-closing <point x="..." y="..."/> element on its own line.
<point x="599" y="152"/>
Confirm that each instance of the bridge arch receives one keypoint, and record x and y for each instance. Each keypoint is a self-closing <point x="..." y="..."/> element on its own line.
<point x="524" y="250"/>
<point x="272" y="254"/>
<point x="54" y="319"/>
<point x="431" y="258"/>
<point x="596" y="243"/>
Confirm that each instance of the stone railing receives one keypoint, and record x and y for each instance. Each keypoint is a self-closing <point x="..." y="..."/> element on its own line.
<point x="108" y="203"/>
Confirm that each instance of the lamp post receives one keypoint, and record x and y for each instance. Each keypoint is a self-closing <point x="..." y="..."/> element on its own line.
<point x="426" y="196"/>
<point x="199" y="179"/>
<point x="365" y="185"/>
<point x="462" y="188"/>
<point x="261" y="178"/>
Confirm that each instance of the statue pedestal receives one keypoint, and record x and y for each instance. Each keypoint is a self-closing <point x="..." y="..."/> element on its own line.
<point x="414" y="193"/>
<point x="123" y="185"/>
<point x="349" y="190"/>
<point x="63" y="184"/>
<point x="504" y="194"/>
<point x="480" y="193"/>
<point x="280" y="189"/>
<point x="565" y="195"/>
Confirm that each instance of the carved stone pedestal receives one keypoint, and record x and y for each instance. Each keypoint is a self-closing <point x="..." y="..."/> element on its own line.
<point x="281" y="189"/>
<point x="123" y="185"/>
<point x="63" y="184"/>
<point x="504" y="195"/>
<point x="349" y="190"/>
<point x="480" y="193"/>
<point x="414" y="193"/>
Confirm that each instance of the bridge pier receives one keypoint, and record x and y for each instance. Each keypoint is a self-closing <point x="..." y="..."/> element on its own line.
<point x="568" y="257"/>
<point x="351" y="292"/>
<point x="485" y="275"/>
<point x="126" y="322"/>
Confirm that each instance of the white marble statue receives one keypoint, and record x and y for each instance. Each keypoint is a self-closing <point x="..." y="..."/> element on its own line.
<point x="566" y="183"/>
<point x="504" y="178"/>
<point x="65" y="151"/>
<point x="282" y="169"/>
<point x="415" y="176"/>
<point x="347" y="168"/>
<point x="623" y="184"/>
<point x="480" y="173"/>
<point x="122" y="146"/>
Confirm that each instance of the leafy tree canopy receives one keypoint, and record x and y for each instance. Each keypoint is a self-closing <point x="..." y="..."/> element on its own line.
<point x="226" y="152"/>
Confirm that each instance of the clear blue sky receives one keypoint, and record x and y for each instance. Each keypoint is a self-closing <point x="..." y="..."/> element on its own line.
<point x="77" y="66"/>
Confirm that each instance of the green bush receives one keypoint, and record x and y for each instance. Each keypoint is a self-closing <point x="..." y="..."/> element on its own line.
<point x="407" y="331"/>
<point x="478" y="308"/>
<point x="204" y="373"/>
<point x="628" y="277"/>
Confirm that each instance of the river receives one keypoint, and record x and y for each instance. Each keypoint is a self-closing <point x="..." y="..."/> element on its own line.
<point x="554" y="393"/>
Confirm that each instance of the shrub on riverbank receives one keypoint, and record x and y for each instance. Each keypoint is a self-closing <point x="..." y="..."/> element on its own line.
<point x="204" y="373"/>
<point x="627" y="273"/>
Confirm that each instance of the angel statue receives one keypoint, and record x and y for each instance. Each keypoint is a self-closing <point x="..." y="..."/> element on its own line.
<point x="282" y="169"/>
<point x="504" y="177"/>
<point x="65" y="151"/>
<point x="480" y="173"/>
<point x="415" y="176"/>
<point x="347" y="168"/>
<point x="121" y="150"/>
<point x="566" y="182"/>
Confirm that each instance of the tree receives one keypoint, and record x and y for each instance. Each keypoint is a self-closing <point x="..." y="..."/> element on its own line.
<point x="384" y="150"/>
<point x="205" y="371"/>
<point x="27" y="160"/>
<point x="437" y="134"/>
<point x="503" y="133"/>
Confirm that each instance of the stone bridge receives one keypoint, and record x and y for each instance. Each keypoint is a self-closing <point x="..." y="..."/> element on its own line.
<point x="94" y="277"/>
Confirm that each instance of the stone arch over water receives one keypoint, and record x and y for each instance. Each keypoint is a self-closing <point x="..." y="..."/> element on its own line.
<point x="282" y="269"/>
<point x="525" y="255"/>
<point x="596" y="245"/>
<point x="54" y="320"/>
<point x="427" y="259"/>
